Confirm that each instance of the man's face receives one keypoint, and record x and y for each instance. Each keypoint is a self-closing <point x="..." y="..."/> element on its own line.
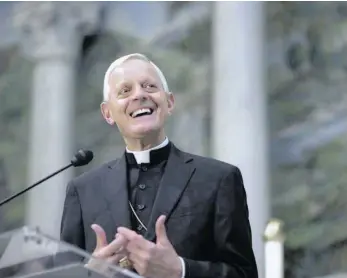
<point x="137" y="102"/>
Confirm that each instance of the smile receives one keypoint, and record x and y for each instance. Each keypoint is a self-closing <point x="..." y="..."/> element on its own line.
<point x="141" y="112"/>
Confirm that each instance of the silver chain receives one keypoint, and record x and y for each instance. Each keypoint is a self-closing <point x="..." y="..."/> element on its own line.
<point x="137" y="217"/>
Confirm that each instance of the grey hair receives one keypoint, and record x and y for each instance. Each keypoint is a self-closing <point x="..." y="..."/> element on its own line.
<point x="125" y="58"/>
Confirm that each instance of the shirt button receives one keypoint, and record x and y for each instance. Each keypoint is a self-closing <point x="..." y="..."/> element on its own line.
<point x="140" y="207"/>
<point x="142" y="186"/>
<point x="139" y="228"/>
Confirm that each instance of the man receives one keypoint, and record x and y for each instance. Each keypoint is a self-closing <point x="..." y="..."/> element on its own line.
<point x="164" y="212"/>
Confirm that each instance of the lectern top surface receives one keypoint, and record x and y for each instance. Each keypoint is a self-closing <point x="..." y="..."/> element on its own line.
<point x="26" y="252"/>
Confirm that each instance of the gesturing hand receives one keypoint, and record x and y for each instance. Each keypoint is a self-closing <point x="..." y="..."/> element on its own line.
<point x="154" y="260"/>
<point x="111" y="252"/>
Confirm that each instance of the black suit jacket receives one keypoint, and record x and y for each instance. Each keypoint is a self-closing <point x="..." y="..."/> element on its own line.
<point x="205" y="203"/>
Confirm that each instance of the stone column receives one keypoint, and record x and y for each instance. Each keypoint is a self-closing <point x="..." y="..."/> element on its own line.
<point x="239" y="105"/>
<point x="51" y="34"/>
<point x="190" y="118"/>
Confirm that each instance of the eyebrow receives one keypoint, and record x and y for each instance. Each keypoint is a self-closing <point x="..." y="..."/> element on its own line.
<point x="117" y="87"/>
<point x="150" y="80"/>
<point x="121" y="85"/>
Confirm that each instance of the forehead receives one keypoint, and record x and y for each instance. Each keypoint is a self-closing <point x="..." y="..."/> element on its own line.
<point x="133" y="70"/>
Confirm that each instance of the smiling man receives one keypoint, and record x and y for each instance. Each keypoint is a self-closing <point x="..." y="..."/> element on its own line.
<point x="158" y="210"/>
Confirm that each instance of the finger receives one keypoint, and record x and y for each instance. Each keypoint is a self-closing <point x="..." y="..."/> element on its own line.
<point x="140" y="244"/>
<point x="129" y="234"/>
<point x="100" y="234"/>
<point x="115" y="258"/>
<point x="102" y="265"/>
<point x="141" y="257"/>
<point x="139" y="269"/>
<point x="114" y="247"/>
<point x="95" y="263"/>
<point x="132" y="237"/>
<point x="160" y="230"/>
<point x="138" y="264"/>
<point x="117" y="236"/>
<point x="133" y="257"/>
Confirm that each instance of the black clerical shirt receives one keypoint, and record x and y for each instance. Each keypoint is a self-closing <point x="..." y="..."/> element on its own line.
<point x="143" y="182"/>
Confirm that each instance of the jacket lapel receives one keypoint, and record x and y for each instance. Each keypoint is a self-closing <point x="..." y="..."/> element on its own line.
<point x="178" y="172"/>
<point x="116" y="193"/>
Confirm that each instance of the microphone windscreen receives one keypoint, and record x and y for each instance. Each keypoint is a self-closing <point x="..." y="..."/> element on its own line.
<point x="82" y="157"/>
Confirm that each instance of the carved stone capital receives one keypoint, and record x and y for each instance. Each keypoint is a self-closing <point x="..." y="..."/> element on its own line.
<point x="51" y="29"/>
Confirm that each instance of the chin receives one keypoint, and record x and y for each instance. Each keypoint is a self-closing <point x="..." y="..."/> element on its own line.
<point x="143" y="131"/>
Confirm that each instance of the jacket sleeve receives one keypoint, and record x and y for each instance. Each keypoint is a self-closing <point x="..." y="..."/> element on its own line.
<point x="71" y="230"/>
<point x="234" y="256"/>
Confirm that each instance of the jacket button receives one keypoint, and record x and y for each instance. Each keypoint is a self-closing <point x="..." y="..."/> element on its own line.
<point x="140" y="207"/>
<point x="142" y="186"/>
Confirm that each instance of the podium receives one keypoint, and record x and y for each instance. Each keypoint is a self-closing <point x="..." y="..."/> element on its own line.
<point x="28" y="253"/>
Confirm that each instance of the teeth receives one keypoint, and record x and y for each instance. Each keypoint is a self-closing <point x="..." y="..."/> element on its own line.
<point x="140" y="111"/>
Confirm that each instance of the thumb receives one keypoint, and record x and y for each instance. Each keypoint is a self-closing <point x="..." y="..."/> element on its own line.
<point x="100" y="234"/>
<point x="160" y="230"/>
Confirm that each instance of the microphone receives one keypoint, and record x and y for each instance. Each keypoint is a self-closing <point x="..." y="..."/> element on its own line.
<point x="81" y="158"/>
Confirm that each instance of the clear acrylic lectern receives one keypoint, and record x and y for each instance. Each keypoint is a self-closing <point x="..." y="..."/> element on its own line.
<point x="27" y="253"/>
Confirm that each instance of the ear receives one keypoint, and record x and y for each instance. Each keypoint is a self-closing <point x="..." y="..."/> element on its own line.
<point x="106" y="113"/>
<point x="171" y="103"/>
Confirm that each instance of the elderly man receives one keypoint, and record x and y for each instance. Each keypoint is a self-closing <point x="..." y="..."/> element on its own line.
<point x="163" y="212"/>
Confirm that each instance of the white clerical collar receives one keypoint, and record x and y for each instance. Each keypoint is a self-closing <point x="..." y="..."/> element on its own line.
<point x="143" y="156"/>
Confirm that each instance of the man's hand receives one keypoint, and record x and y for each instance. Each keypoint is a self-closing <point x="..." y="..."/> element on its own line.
<point x="154" y="260"/>
<point x="111" y="253"/>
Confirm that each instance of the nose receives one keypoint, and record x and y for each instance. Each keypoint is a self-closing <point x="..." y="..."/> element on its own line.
<point x="139" y="93"/>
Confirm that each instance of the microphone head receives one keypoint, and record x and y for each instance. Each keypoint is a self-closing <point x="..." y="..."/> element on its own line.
<point x="82" y="157"/>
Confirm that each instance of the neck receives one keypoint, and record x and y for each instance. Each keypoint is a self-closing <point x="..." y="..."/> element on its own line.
<point x="145" y="143"/>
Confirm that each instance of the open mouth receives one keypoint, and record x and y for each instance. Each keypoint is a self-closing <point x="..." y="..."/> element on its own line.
<point x="141" y="112"/>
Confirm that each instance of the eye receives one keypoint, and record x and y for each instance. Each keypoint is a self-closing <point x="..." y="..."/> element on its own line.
<point x="124" y="91"/>
<point x="149" y="86"/>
